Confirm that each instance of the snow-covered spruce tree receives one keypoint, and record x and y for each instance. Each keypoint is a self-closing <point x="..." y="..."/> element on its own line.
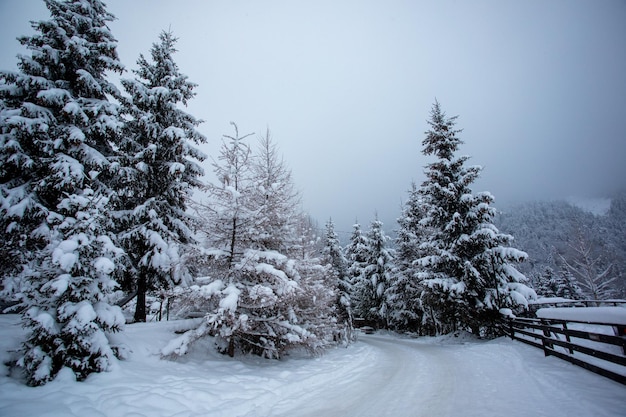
<point x="403" y="294"/>
<point x="370" y="289"/>
<point x="567" y="286"/>
<point x="545" y="284"/>
<point x="561" y="284"/>
<point x="158" y="148"/>
<point x="66" y="301"/>
<point x="355" y="253"/>
<point x="468" y="267"/>
<point x="333" y="255"/>
<point x="54" y="117"/>
<point x="57" y="128"/>
<point x="268" y="294"/>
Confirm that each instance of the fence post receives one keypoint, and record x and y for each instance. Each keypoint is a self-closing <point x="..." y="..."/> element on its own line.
<point x="545" y="339"/>
<point x="571" y="351"/>
<point x="621" y="332"/>
<point x="543" y="345"/>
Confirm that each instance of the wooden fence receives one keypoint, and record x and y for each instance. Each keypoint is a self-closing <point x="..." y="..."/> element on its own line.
<point x="603" y="354"/>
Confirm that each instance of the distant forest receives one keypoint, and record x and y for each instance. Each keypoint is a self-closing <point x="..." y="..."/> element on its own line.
<point x="554" y="232"/>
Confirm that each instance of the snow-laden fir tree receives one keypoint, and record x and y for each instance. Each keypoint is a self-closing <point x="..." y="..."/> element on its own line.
<point x="55" y="123"/>
<point x="469" y="272"/>
<point x="66" y="301"/>
<point x="355" y="253"/>
<point x="403" y="294"/>
<point x="545" y="284"/>
<point x="567" y="286"/>
<point x="57" y="130"/>
<point x="333" y="255"/>
<point x="158" y="148"/>
<point x="561" y="284"/>
<point x="271" y="294"/>
<point x="370" y="288"/>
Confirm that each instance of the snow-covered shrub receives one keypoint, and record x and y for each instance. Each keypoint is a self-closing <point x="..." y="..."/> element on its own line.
<point x="272" y="294"/>
<point x="265" y="308"/>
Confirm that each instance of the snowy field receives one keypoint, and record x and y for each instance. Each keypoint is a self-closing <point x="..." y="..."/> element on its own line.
<point x="381" y="375"/>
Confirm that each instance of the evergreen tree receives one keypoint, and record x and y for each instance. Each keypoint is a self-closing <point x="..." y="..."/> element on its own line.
<point x="66" y="300"/>
<point x="355" y="253"/>
<point x="546" y="284"/>
<point x="403" y="295"/>
<point x="567" y="286"/>
<point x="332" y="251"/>
<point x="563" y="284"/>
<point x="468" y="269"/>
<point x="158" y="149"/>
<point x="57" y="134"/>
<point x="333" y="255"/>
<point x="55" y="124"/>
<point x="371" y="287"/>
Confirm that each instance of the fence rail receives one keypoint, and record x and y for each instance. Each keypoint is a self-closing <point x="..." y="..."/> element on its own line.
<point x="597" y="352"/>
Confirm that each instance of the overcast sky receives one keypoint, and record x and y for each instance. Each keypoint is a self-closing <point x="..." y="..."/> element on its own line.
<point x="346" y="87"/>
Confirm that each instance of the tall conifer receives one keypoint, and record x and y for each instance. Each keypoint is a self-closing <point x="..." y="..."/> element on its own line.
<point x="57" y="134"/>
<point x="468" y="264"/>
<point x="158" y="149"/>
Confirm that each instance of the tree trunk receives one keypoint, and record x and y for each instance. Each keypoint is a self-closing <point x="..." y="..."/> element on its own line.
<point x="233" y="239"/>
<point x="140" y="310"/>
<point x="475" y="328"/>
<point x="231" y="346"/>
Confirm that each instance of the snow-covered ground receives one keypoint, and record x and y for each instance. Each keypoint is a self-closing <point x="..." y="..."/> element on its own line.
<point x="381" y="375"/>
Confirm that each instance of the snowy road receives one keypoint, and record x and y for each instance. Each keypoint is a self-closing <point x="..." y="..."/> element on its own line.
<point x="412" y="378"/>
<point x="402" y="381"/>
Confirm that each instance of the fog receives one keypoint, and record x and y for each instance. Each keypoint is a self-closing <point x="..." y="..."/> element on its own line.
<point x="346" y="88"/>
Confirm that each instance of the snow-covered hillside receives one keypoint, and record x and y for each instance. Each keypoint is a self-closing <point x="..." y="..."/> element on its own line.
<point x="381" y="375"/>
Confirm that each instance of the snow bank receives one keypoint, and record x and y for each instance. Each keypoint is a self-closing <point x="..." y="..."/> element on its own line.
<point x="611" y="315"/>
<point x="379" y="375"/>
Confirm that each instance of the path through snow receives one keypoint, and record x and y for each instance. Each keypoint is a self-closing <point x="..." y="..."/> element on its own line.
<point x="499" y="378"/>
